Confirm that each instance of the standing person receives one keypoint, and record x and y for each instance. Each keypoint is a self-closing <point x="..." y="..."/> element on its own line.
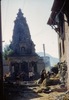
<point x="43" y="75"/>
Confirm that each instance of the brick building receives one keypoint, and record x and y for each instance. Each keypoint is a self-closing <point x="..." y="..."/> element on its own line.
<point x="59" y="21"/>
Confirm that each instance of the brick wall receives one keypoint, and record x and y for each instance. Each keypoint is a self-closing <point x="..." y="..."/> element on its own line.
<point x="67" y="44"/>
<point x="67" y="48"/>
<point x="65" y="56"/>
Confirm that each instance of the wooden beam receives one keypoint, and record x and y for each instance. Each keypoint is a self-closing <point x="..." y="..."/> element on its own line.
<point x="1" y="60"/>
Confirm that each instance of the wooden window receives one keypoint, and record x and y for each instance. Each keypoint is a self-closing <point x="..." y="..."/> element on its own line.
<point x="61" y="24"/>
<point x="63" y="46"/>
<point x="60" y="50"/>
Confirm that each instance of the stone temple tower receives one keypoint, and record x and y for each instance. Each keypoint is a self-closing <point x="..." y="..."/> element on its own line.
<point x="23" y="58"/>
<point x="21" y="41"/>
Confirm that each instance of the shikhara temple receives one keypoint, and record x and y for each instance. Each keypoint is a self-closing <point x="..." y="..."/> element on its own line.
<point x="23" y="57"/>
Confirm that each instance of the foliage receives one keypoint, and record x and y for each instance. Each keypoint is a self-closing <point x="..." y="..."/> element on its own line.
<point x="7" y="51"/>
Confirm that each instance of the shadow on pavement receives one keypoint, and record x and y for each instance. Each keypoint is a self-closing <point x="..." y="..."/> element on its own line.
<point x="18" y="92"/>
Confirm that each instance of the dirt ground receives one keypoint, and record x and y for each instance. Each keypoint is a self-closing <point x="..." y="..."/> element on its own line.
<point x="48" y="96"/>
<point x="35" y="92"/>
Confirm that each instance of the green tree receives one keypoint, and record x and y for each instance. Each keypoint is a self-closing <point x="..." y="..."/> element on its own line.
<point x="7" y="51"/>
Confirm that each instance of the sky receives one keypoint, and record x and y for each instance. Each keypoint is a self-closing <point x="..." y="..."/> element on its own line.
<point x="37" y="13"/>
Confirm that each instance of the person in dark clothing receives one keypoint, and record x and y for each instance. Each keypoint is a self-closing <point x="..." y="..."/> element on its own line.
<point x="43" y="75"/>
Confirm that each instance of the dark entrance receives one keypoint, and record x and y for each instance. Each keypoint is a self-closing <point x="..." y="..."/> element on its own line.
<point x="24" y="70"/>
<point x="34" y="65"/>
<point x="16" y="68"/>
<point x="24" y="67"/>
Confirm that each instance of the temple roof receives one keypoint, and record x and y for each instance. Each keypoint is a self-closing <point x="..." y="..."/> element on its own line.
<point x="51" y="19"/>
<point x="58" y="6"/>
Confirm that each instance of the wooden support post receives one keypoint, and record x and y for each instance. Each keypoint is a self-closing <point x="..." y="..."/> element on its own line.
<point x="1" y="60"/>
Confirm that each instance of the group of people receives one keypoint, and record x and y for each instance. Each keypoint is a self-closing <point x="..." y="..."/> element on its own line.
<point x="44" y="75"/>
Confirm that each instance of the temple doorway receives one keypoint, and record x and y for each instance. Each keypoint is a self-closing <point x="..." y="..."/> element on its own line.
<point x="34" y="65"/>
<point x="16" y="68"/>
<point x="24" y="70"/>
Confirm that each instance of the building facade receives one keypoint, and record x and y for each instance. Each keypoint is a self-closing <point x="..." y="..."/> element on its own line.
<point x="23" y="58"/>
<point x="59" y="21"/>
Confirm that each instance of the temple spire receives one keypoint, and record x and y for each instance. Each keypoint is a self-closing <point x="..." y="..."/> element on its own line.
<point x="21" y="40"/>
<point x="19" y="14"/>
